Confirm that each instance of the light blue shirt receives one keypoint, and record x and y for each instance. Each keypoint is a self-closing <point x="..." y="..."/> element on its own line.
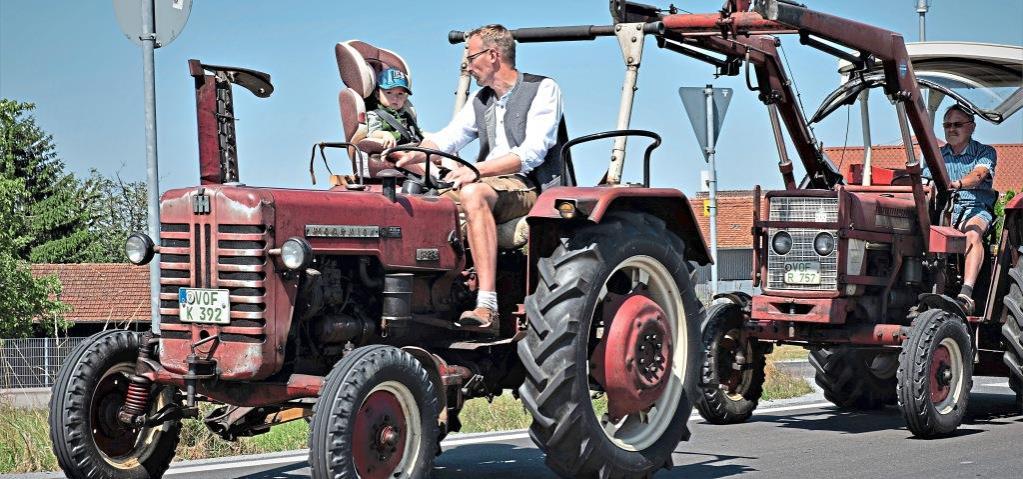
<point x="975" y="154"/>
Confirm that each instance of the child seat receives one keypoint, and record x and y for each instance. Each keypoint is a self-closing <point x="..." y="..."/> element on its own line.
<point x="359" y="63"/>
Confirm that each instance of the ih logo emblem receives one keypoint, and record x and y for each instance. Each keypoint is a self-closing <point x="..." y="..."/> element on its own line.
<point x="201" y="202"/>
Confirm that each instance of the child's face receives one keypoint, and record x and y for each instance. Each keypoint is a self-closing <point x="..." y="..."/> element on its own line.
<point x="393" y="97"/>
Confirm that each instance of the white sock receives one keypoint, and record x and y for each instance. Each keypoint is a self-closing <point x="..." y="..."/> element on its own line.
<point x="486" y="299"/>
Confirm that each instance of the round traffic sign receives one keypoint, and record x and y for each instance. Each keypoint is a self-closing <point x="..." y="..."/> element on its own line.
<point x="170" y="17"/>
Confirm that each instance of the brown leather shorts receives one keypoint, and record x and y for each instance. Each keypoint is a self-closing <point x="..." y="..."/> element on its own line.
<point x="515" y="196"/>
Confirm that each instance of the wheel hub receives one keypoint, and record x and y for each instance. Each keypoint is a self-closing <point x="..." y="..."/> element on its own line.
<point x="633" y="360"/>
<point x="112" y="437"/>
<point x="731" y="360"/>
<point x="941" y="374"/>
<point x="379" y="436"/>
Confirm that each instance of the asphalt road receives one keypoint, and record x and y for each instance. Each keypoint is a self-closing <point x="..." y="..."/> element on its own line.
<point x="795" y="438"/>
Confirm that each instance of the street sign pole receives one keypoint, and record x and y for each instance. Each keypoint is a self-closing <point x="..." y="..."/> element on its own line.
<point x="148" y="39"/>
<point x="706" y="107"/>
<point x="152" y="24"/>
<point x="711" y="141"/>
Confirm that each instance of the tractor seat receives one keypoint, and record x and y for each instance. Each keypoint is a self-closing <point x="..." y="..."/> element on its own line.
<point x="359" y="63"/>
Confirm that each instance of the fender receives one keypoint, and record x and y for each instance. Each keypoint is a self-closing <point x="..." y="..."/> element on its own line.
<point x="941" y="301"/>
<point x="592" y="203"/>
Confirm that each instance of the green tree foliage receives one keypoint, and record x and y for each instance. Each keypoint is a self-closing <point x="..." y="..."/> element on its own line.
<point x="59" y="226"/>
<point x="1000" y="212"/>
<point x="22" y="297"/>
<point x="118" y="209"/>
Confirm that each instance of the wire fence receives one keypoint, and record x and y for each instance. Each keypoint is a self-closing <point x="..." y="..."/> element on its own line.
<point x="33" y="362"/>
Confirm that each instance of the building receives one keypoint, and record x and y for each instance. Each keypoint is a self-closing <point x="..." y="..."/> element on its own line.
<point x="101" y="295"/>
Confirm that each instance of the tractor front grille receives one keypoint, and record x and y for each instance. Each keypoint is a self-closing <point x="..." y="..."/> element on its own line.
<point x="224" y="256"/>
<point x="802" y="209"/>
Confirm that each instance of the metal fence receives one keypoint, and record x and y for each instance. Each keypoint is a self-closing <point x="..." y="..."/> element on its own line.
<point x="33" y="362"/>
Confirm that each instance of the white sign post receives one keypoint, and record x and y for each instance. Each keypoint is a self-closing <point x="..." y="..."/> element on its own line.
<point x="706" y="107"/>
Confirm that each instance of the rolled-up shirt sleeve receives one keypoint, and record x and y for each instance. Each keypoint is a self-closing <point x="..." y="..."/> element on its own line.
<point x="541" y="126"/>
<point x="987" y="157"/>
<point x="459" y="132"/>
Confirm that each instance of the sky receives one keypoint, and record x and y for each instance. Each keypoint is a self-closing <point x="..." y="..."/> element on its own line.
<point x="71" y="59"/>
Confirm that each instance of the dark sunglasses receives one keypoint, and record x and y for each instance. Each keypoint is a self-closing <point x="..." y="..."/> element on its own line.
<point x="955" y="124"/>
<point x="474" y="55"/>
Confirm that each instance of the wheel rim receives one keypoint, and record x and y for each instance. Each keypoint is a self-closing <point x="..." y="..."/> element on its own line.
<point x="734" y="355"/>
<point x="387" y="432"/>
<point x="946" y="376"/>
<point x="646" y="275"/>
<point x="121" y="446"/>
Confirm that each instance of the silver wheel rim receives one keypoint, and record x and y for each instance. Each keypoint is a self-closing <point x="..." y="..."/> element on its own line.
<point x="641" y="430"/>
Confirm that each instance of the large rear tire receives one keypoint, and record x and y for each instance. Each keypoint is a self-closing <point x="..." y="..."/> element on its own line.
<point x="376" y="418"/>
<point x="87" y="438"/>
<point x="1012" y="331"/>
<point x="575" y="305"/>
<point x="935" y="374"/>
<point x="732" y="373"/>
<point x="854" y="378"/>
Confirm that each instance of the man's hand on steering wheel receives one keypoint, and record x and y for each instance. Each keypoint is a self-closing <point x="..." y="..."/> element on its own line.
<point x="461" y="176"/>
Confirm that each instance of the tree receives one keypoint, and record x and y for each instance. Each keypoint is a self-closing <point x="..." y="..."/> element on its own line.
<point x="59" y="226"/>
<point x="118" y="209"/>
<point x="22" y="297"/>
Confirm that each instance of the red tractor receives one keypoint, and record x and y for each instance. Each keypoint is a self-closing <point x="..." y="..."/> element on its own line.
<point x="338" y="306"/>
<point x="861" y="274"/>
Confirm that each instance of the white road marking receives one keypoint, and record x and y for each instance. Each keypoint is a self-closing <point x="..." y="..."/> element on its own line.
<point x="997" y="385"/>
<point x="302" y="456"/>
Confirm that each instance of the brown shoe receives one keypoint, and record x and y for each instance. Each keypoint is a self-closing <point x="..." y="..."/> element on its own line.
<point x="479" y="318"/>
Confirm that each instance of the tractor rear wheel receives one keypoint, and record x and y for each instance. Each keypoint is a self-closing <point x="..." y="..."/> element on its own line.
<point x="88" y="439"/>
<point x="854" y="378"/>
<point x="935" y="373"/>
<point x="1012" y="331"/>
<point x="612" y="349"/>
<point x="376" y="418"/>
<point x="732" y="373"/>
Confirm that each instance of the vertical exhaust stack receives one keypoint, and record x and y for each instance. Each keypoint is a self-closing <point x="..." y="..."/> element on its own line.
<point x="214" y="104"/>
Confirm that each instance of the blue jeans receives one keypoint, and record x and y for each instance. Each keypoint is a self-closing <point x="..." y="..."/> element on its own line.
<point x="970" y="210"/>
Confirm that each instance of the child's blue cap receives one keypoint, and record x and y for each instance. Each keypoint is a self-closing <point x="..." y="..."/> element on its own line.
<point x="393" y="78"/>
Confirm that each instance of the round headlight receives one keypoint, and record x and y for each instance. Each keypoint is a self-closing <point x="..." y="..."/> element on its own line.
<point x="296" y="253"/>
<point x="824" y="244"/>
<point x="782" y="242"/>
<point x="139" y="248"/>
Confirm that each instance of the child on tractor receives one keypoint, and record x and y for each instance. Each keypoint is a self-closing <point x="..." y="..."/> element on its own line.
<point x="393" y="122"/>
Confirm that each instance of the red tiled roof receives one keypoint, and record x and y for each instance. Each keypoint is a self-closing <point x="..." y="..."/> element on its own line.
<point x="1008" y="172"/>
<point x="101" y="292"/>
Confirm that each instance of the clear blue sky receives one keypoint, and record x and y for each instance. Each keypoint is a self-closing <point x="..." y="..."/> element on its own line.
<point x="71" y="59"/>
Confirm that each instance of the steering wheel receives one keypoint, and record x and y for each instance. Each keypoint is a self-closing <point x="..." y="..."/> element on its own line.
<point x="426" y="179"/>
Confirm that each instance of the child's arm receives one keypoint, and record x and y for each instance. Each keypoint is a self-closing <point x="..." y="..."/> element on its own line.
<point x="375" y="129"/>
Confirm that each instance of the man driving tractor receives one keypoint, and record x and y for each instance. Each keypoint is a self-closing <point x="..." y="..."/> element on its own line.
<point x="515" y="115"/>
<point x="971" y="168"/>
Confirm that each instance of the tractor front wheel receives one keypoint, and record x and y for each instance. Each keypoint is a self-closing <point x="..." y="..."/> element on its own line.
<point x="732" y="374"/>
<point x="612" y="349"/>
<point x="87" y="437"/>
<point x="935" y="373"/>
<point x="376" y="418"/>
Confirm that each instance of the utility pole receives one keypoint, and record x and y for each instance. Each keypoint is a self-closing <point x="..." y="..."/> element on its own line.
<point x="921" y="8"/>
<point x="712" y="195"/>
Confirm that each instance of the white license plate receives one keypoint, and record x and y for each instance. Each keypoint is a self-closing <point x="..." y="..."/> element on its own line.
<point x="201" y="305"/>
<point x="803" y="272"/>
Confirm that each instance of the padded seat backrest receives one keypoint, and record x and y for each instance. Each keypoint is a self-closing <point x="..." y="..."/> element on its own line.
<point x="359" y="63"/>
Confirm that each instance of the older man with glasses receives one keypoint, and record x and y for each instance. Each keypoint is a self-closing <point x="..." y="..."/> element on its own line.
<point x="971" y="168"/>
<point x="516" y="116"/>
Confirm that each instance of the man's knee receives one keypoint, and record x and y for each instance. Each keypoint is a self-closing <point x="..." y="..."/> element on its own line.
<point x="477" y="196"/>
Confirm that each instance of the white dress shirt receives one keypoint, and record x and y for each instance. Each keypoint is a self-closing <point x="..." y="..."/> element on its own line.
<point x="541" y="127"/>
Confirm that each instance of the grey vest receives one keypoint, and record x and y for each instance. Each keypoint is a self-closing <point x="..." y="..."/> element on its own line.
<point x="548" y="173"/>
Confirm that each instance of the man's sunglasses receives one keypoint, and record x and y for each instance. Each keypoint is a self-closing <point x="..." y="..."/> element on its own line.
<point x="955" y="124"/>
<point x="474" y="55"/>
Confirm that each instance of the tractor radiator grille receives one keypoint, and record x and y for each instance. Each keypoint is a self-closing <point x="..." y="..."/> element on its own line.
<point x="802" y="209"/>
<point x="204" y="255"/>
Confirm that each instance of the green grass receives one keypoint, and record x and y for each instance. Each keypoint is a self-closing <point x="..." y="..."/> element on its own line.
<point x="25" y="441"/>
<point x="787" y="351"/>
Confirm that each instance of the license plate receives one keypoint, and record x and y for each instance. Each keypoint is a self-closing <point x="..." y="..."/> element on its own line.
<point x="201" y="305"/>
<point x="803" y="272"/>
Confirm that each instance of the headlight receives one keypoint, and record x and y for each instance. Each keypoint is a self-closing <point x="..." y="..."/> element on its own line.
<point x="139" y="248"/>
<point x="296" y="253"/>
<point x="782" y="242"/>
<point x="824" y="244"/>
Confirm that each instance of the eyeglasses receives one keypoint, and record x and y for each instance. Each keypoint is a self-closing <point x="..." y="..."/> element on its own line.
<point x="474" y="55"/>
<point x="955" y="124"/>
